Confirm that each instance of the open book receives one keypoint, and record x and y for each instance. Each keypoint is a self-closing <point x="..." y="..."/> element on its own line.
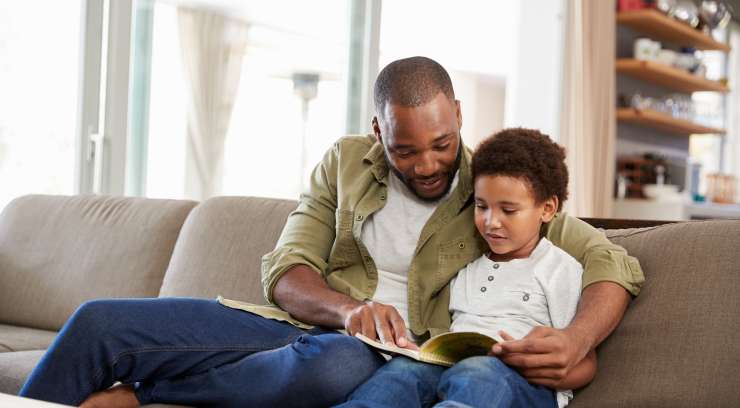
<point x="445" y="349"/>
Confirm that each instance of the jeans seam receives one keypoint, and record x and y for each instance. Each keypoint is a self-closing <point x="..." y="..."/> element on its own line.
<point x="101" y="371"/>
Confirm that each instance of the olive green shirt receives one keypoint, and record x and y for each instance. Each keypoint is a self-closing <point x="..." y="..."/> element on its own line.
<point x="351" y="183"/>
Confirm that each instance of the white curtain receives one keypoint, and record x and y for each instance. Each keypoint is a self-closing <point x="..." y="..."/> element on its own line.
<point x="732" y="138"/>
<point x="588" y="124"/>
<point x="212" y="48"/>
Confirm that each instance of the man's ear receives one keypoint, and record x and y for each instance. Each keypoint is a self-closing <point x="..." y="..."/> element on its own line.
<point x="458" y="111"/>
<point x="550" y="208"/>
<point x="376" y="129"/>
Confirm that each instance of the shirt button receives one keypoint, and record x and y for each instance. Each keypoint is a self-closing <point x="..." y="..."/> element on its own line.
<point x="495" y="266"/>
<point x="525" y="297"/>
<point x="359" y="217"/>
<point x="490" y="278"/>
<point x="483" y="289"/>
<point x="382" y="197"/>
<point x="461" y="245"/>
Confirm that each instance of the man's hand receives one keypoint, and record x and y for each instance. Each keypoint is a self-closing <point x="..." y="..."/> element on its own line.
<point x="545" y="356"/>
<point x="376" y="320"/>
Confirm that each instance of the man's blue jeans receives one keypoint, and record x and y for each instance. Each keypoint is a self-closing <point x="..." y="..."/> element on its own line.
<point x="198" y="352"/>
<point x="473" y="382"/>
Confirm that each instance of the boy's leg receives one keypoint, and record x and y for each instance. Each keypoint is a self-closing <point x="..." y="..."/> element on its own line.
<point x="402" y="382"/>
<point x="487" y="381"/>
<point x="146" y="340"/>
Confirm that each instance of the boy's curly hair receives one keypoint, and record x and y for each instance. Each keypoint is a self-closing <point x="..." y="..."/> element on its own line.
<point x="528" y="154"/>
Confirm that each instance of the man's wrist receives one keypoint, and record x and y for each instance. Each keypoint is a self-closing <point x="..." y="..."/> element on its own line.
<point x="584" y="340"/>
<point x="346" y="309"/>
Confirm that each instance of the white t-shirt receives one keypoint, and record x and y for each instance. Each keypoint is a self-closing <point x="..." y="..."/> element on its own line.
<point x="391" y="235"/>
<point x="515" y="296"/>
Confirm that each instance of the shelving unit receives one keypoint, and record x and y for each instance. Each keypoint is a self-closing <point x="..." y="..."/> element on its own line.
<point x="668" y="76"/>
<point x="653" y="130"/>
<point x="664" y="122"/>
<point x="661" y="27"/>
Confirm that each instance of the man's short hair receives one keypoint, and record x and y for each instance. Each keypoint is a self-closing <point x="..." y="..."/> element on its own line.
<point x="527" y="154"/>
<point x="411" y="82"/>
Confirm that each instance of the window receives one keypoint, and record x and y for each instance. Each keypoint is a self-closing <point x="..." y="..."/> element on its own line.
<point x="39" y="53"/>
<point x="272" y="143"/>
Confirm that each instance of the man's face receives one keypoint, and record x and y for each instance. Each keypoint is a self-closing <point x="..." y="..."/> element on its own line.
<point x="422" y="144"/>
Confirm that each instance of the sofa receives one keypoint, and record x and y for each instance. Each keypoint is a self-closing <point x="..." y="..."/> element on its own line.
<point x="675" y="346"/>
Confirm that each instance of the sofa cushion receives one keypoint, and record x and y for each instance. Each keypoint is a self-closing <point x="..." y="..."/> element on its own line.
<point x="57" y="252"/>
<point x="15" y="368"/>
<point x="16" y="338"/>
<point x="677" y="345"/>
<point x="221" y="245"/>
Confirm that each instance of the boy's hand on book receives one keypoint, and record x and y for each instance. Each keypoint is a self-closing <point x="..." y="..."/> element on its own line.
<point x="378" y="321"/>
<point x="545" y="356"/>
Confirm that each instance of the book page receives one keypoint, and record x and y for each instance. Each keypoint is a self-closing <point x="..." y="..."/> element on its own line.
<point x="449" y="348"/>
<point x="390" y="348"/>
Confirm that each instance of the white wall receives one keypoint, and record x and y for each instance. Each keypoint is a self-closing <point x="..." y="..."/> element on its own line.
<point x="534" y="82"/>
<point x="482" y="99"/>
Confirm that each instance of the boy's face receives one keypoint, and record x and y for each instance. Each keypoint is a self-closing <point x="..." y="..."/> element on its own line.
<point x="508" y="217"/>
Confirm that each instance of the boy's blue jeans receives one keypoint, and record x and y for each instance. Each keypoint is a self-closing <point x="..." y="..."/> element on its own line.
<point x="197" y="352"/>
<point x="473" y="382"/>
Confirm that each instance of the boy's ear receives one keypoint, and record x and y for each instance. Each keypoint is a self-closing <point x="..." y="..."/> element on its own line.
<point x="549" y="209"/>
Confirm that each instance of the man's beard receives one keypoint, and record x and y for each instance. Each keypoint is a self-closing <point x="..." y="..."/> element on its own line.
<point x="410" y="185"/>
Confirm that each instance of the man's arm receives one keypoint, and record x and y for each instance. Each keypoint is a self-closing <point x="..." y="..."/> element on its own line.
<point x="293" y="274"/>
<point x="547" y="356"/>
<point x="307" y="297"/>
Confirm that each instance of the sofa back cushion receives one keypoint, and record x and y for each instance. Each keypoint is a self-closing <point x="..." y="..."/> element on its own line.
<point x="677" y="344"/>
<point x="220" y="249"/>
<point x="57" y="252"/>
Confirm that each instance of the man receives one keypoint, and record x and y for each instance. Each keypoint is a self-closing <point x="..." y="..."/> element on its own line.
<point x="385" y="224"/>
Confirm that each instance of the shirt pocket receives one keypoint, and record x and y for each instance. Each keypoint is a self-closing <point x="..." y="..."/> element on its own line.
<point x="452" y="256"/>
<point x="344" y="247"/>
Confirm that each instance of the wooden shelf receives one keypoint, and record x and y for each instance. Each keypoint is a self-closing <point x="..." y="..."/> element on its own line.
<point x="661" y="27"/>
<point x="668" y="76"/>
<point x="664" y="122"/>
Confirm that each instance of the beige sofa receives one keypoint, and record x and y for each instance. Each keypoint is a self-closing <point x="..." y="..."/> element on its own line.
<point x="675" y="347"/>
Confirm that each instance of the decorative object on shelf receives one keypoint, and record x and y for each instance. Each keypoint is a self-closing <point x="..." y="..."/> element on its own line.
<point x="678" y="106"/>
<point x="686" y="12"/>
<point x="715" y="13"/>
<point x="639" y="171"/>
<point x="689" y="60"/>
<point x="625" y="5"/>
<point x="646" y="49"/>
<point x="666" y="6"/>
<point x="721" y="188"/>
<point x="662" y="192"/>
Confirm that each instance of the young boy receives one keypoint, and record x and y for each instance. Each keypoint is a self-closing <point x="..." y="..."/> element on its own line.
<point x="520" y="180"/>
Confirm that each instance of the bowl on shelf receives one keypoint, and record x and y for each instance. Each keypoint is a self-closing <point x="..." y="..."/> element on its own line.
<point x="661" y="192"/>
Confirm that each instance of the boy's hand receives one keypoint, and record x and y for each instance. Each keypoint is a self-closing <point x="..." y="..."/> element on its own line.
<point x="378" y="321"/>
<point x="545" y="356"/>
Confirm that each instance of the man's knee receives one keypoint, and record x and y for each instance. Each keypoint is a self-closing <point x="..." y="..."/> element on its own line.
<point x="339" y="351"/>
<point x="91" y="315"/>
<point x="340" y="358"/>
